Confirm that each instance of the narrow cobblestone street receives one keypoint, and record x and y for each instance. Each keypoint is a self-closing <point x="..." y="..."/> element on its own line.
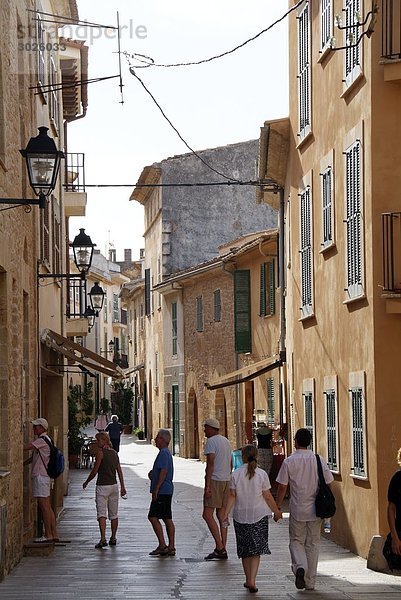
<point x="78" y="570"/>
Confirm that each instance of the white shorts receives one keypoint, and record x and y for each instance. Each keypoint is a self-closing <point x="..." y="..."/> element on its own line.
<point x="107" y="501"/>
<point x="41" y="486"/>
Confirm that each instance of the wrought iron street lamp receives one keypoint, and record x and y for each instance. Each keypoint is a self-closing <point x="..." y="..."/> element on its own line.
<point x="96" y="297"/>
<point x="43" y="164"/>
<point x="82" y="247"/>
<point x="90" y="315"/>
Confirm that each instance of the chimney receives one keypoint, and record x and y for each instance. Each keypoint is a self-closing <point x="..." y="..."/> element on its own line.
<point x="113" y="255"/>
<point x="127" y="255"/>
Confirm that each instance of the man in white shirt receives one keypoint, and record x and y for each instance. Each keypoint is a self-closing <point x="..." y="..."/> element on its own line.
<point x="40" y="479"/>
<point x="217" y="486"/>
<point x="300" y="471"/>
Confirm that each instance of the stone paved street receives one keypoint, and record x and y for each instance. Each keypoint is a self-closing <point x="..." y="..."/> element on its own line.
<point x="78" y="570"/>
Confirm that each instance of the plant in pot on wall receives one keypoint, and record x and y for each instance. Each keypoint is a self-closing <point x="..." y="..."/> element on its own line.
<point x="122" y="400"/>
<point x="139" y="432"/>
<point x="75" y="440"/>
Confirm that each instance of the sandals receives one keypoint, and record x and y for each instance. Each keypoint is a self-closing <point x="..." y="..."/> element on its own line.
<point x="251" y="588"/>
<point x="112" y="542"/>
<point x="101" y="544"/>
<point x="159" y="551"/>
<point x="171" y="551"/>
<point x="219" y="554"/>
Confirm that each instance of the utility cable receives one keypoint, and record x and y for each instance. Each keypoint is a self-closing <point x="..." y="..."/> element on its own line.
<point x="144" y="59"/>
<point x="132" y="71"/>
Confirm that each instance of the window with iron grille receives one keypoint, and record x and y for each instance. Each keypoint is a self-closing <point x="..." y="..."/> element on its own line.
<point x="327" y="206"/>
<point x="304" y="72"/>
<point x="174" y="328"/>
<point x="353" y="221"/>
<point x="199" y="313"/>
<point x="54" y="111"/>
<point x="45" y="233"/>
<point x="326" y="23"/>
<point x="56" y="239"/>
<point x="115" y="309"/>
<point x="270" y="400"/>
<point x="353" y="53"/>
<point x="331" y="429"/>
<point x="308" y="408"/>
<point x="306" y="252"/>
<point x="358" y="432"/>
<point x="217" y="305"/>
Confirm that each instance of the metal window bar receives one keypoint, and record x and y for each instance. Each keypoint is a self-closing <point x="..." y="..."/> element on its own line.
<point x="75" y="172"/>
<point x="308" y="404"/>
<point x="391" y="29"/>
<point x="331" y="429"/>
<point x="391" y="241"/>
<point x="76" y="298"/>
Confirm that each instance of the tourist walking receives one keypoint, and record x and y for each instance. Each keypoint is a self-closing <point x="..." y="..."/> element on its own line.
<point x="300" y="472"/>
<point x="253" y="505"/>
<point x="115" y="429"/>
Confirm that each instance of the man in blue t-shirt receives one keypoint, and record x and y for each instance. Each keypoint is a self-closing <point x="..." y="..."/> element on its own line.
<point x="161" y="488"/>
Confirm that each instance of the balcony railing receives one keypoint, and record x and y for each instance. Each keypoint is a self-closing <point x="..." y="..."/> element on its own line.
<point x="391" y="237"/>
<point x="76" y="295"/>
<point x="391" y="29"/>
<point x="75" y="172"/>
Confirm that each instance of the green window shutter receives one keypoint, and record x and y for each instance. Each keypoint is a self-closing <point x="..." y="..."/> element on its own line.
<point x="262" y="291"/>
<point x="147" y="292"/>
<point x="270" y="400"/>
<point x="271" y="284"/>
<point x="242" y="310"/>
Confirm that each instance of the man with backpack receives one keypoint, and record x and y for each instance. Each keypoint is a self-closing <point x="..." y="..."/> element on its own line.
<point x="40" y="478"/>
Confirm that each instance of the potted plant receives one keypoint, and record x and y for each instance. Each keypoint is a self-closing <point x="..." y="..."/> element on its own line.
<point x="87" y="404"/>
<point x="75" y="440"/>
<point x="123" y="398"/>
<point x="139" y="432"/>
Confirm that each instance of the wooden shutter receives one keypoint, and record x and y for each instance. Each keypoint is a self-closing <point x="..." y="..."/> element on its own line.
<point x="304" y="71"/>
<point x="217" y="305"/>
<point x="353" y="220"/>
<point x="327" y="206"/>
<point x="262" y="290"/>
<point x="270" y="400"/>
<point x="306" y="253"/>
<point x="271" y="286"/>
<point x="242" y="310"/>
<point x="199" y="313"/>
<point x="308" y="404"/>
<point x="147" y="292"/>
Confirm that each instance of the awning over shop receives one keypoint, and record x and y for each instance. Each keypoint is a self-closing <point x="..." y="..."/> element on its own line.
<point x="133" y="369"/>
<point x="246" y="373"/>
<point x="77" y="353"/>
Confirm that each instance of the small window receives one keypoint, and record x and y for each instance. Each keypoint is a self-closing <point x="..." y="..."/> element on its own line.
<point x="326" y="23"/>
<point x="156" y="369"/>
<point x="358" y="432"/>
<point x="199" y="313"/>
<point x="353" y="220"/>
<point x="242" y="310"/>
<point x="353" y="52"/>
<point x="306" y="251"/>
<point x="115" y="309"/>
<point x="309" y="408"/>
<point x="147" y="293"/>
<point x="304" y="72"/>
<point x="217" y="305"/>
<point x="135" y="332"/>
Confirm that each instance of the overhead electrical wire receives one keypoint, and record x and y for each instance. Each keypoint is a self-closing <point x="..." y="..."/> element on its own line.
<point x="144" y="59"/>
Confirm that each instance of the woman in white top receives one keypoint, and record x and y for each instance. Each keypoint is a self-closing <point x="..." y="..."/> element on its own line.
<point x="253" y="505"/>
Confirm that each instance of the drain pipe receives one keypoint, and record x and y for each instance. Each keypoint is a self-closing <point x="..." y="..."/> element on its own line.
<point x="281" y="274"/>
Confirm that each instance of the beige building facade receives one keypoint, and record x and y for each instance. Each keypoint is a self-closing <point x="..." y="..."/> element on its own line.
<point x="342" y="267"/>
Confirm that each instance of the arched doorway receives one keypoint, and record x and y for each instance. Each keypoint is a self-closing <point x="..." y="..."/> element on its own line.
<point x="221" y="411"/>
<point x="193" y="424"/>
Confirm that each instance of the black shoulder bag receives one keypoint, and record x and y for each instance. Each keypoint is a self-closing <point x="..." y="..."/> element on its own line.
<point x="325" y="503"/>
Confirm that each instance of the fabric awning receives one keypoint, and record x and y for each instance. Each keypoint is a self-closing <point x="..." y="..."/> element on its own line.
<point x="133" y="369"/>
<point x="77" y="353"/>
<point x="246" y="373"/>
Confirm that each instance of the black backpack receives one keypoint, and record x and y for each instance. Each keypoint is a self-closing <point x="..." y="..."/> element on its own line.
<point x="56" y="461"/>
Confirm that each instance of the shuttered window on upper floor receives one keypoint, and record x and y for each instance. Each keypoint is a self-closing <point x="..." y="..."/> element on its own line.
<point x="304" y="72"/>
<point x="306" y="251"/>
<point x="326" y="23"/>
<point x="242" y="310"/>
<point x="174" y="328"/>
<point x="353" y="220"/>
<point x="199" y="313"/>
<point x="327" y="207"/>
<point x="267" y="289"/>
<point x="147" y="294"/>
<point x="270" y="400"/>
<point x="352" y="32"/>
<point x="217" y="305"/>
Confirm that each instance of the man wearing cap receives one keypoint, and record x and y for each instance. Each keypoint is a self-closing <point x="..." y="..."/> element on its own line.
<point x="217" y="486"/>
<point x="40" y="479"/>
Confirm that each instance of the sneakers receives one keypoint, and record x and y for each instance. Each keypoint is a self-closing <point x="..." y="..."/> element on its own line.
<point x="217" y="554"/>
<point x="300" y="579"/>
<point x="159" y="551"/>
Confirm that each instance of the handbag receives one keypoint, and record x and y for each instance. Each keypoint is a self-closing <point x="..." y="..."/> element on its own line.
<point x="325" y="503"/>
<point x="393" y="560"/>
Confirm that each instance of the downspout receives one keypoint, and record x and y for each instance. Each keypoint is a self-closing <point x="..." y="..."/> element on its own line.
<point x="282" y="341"/>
